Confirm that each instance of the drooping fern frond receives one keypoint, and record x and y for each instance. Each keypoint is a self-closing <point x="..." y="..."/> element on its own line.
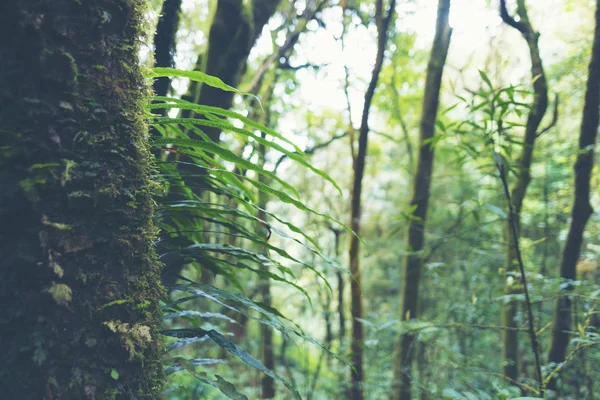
<point x="211" y="195"/>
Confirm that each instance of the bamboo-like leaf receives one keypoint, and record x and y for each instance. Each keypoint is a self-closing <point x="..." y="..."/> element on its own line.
<point x="485" y="78"/>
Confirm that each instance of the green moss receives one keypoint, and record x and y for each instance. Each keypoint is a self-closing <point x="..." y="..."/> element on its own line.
<point x="61" y="293"/>
<point x="57" y="225"/>
<point x="133" y="337"/>
<point x="30" y="185"/>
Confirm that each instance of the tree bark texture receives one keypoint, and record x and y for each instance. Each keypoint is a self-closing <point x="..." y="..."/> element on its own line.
<point x="357" y="375"/>
<point x="406" y="346"/>
<point x="79" y="277"/>
<point x="510" y="343"/>
<point x="582" y="209"/>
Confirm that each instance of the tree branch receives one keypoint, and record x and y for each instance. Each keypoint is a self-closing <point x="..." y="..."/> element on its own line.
<point x="515" y="237"/>
<point x="509" y="20"/>
<point x="554" y="117"/>
<point x="308" y="14"/>
<point x="313" y="149"/>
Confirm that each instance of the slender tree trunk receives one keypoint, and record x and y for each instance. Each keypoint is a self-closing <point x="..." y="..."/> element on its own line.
<point x="267" y="383"/>
<point x="340" y="290"/>
<point x="510" y="344"/>
<point x="357" y="343"/>
<point x="79" y="277"/>
<point x="165" y="44"/>
<point x="582" y="209"/>
<point x="420" y="201"/>
<point x="268" y="356"/>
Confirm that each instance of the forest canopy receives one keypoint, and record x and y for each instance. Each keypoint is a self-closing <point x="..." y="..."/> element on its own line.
<point x="300" y="199"/>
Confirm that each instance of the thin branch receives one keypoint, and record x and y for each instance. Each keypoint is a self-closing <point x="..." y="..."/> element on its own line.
<point x="522" y="385"/>
<point x="451" y="229"/>
<point x="567" y="359"/>
<point x="313" y="149"/>
<point x="385" y="135"/>
<point x="554" y="117"/>
<point x="357" y="345"/>
<point x="289" y="67"/>
<point x="509" y="20"/>
<point x="515" y="237"/>
<point x="351" y="130"/>
<point x="398" y="115"/>
<point x="466" y="326"/>
<point x="290" y="42"/>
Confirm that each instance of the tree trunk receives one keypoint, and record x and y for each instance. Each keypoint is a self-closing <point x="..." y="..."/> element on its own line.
<point x="340" y="290"/>
<point x="268" y="358"/>
<point x="420" y="201"/>
<point x="510" y="342"/>
<point x="356" y="306"/>
<point x="79" y="277"/>
<point x="582" y="209"/>
<point x="165" y="44"/>
<point x="268" y="355"/>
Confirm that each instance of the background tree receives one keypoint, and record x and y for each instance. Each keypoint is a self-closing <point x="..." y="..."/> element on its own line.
<point x="523" y="178"/>
<point x="401" y="387"/>
<point x="382" y="21"/>
<point x="581" y="210"/>
<point x="165" y="42"/>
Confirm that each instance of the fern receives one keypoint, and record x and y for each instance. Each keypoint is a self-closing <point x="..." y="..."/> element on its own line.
<point x="197" y="173"/>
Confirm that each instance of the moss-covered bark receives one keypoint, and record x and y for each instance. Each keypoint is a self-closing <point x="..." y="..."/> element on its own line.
<point x="79" y="277"/>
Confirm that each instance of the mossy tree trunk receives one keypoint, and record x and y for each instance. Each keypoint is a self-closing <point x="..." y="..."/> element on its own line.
<point x="513" y="285"/>
<point x="406" y="346"/>
<point x="582" y="209"/>
<point x="79" y="277"/>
